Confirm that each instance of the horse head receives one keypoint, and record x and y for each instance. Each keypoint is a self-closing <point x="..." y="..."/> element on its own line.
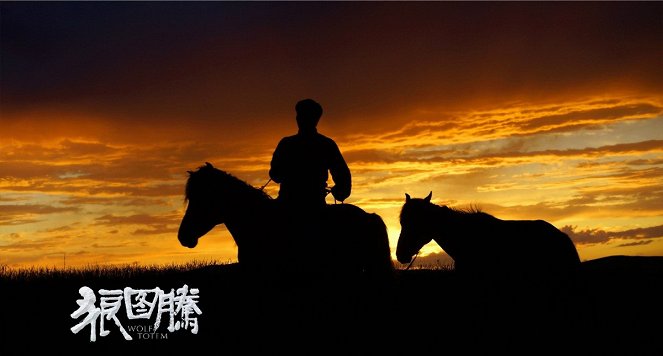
<point x="415" y="228"/>
<point x="203" y="210"/>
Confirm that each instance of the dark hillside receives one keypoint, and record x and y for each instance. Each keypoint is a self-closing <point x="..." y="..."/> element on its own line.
<point x="613" y="306"/>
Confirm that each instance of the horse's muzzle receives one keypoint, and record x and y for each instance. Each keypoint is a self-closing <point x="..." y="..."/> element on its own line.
<point x="187" y="238"/>
<point x="190" y="243"/>
<point x="403" y="259"/>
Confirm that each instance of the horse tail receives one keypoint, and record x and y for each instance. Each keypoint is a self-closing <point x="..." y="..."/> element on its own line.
<point x="379" y="266"/>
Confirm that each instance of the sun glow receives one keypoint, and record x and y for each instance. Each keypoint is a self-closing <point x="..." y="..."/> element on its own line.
<point x="94" y="149"/>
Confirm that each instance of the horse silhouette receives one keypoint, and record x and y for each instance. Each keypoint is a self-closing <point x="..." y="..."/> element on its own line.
<point x="343" y="240"/>
<point x="481" y="243"/>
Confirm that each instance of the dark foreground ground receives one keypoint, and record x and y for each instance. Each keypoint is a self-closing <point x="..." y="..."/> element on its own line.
<point x="614" y="306"/>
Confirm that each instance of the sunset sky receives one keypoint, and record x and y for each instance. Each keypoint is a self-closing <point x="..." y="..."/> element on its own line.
<point x="536" y="110"/>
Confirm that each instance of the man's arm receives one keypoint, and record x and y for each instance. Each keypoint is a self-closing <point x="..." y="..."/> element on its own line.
<point x="340" y="174"/>
<point x="276" y="170"/>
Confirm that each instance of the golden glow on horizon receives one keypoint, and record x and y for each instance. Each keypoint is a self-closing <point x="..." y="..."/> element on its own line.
<point x="497" y="106"/>
<point x="594" y="166"/>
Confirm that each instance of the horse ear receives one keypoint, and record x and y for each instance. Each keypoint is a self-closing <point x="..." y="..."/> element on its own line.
<point x="209" y="165"/>
<point x="407" y="197"/>
<point x="429" y="197"/>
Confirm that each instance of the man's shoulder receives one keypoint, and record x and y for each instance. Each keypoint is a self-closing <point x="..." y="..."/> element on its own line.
<point x="325" y="139"/>
<point x="288" y="139"/>
<point x="308" y="137"/>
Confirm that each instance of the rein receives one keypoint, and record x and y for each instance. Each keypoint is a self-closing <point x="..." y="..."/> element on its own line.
<point x="265" y="185"/>
<point x="411" y="262"/>
<point x="327" y="190"/>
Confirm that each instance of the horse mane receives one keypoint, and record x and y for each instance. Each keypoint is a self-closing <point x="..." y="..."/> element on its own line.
<point x="210" y="178"/>
<point x="470" y="210"/>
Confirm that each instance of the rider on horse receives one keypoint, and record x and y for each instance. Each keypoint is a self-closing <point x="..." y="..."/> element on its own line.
<point x="301" y="163"/>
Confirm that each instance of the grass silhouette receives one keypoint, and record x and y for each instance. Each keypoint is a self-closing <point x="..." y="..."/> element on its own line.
<point x="608" y="308"/>
<point x="122" y="271"/>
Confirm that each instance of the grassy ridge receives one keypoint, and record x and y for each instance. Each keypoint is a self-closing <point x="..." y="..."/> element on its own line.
<point x="608" y="308"/>
<point x="127" y="271"/>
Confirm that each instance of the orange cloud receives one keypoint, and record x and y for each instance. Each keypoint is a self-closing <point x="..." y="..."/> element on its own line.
<point x="18" y="214"/>
<point x="496" y="105"/>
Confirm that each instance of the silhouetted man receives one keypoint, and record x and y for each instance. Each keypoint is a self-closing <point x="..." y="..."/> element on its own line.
<point x="301" y="163"/>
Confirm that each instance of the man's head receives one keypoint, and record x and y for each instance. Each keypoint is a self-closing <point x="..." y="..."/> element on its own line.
<point x="308" y="114"/>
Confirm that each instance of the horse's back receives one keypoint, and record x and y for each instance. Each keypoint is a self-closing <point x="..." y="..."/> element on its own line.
<point x="345" y="211"/>
<point x="529" y="244"/>
<point x="556" y="246"/>
<point x="562" y="246"/>
<point x="364" y="232"/>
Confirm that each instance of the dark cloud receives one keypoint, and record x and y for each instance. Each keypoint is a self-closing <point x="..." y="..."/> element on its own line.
<point x="372" y="155"/>
<point x="437" y="126"/>
<point x="132" y="189"/>
<point x="644" y="146"/>
<point x="25" y="170"/>
<point x="463" y="153"/>
<point x="21" y="214"/>
<point x="594" y="236"/>
<point x="114" y="201"/>
<point x="67" y="150"/>
<point x="387" y="201"/>
<point x="97" y="245"/>
<point x="12" y="220"/>
<point x="645" y="200"/>
<point x="29" y="245"/>
<point x="6" y="199"/>
<point x="636" y="243"/>
<point x="33" y="209"/>
<point x="636" y="199"/>
<point x="150" y="224"/>
<point x="96" y="161"/>
<point x="597" y="115"/>
<point x="589" y="236"/>
<point x="640" y="233"/>
<point x="622" y="148"/>
<point x="64" y="228"/>
<point x="645" y="162"/>
<point x="232" y="65"/>
<point x="137" y="219"/>
<point x="85" y="149"/>
<point x="157" y="229"/>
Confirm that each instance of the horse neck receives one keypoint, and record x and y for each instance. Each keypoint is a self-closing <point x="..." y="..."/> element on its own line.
<point x="451" y="229"/>
<point x="244" y="216"/>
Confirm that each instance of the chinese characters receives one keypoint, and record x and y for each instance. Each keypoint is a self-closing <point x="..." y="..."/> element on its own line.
<point x="138" y="304"/>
